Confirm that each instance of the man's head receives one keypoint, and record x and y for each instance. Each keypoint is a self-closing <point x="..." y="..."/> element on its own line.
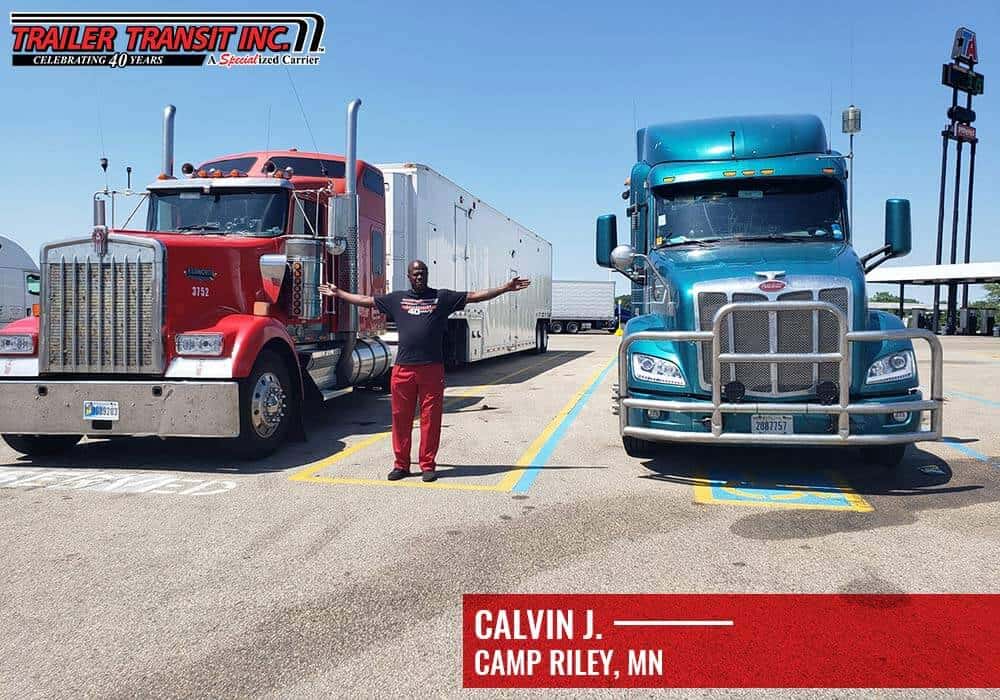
<point x="417" y="274"/>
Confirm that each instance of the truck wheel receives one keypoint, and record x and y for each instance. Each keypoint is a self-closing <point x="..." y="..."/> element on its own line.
<point x="888" y="456"/>
<point x="41" y="445"/>
<point x="541" y="338"/>
<point x="635" y="447"/>
<point x="572" y="327"/>
<point x="612" y="326"/>
<point x="264" y="412"/>
<point x="556" y="327"/>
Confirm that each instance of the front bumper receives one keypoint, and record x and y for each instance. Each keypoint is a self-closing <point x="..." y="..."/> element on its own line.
<point x="147" y="408"/>
<point x="850" y="424"/>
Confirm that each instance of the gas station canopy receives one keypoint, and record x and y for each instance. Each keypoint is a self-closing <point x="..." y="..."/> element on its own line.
<point x="963" y="273"/>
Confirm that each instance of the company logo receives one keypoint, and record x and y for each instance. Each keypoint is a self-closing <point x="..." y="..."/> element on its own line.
<point x="122" y="39"/>
<point x="771" y="286"/>
<point x="964" y="48"/>
<point x="200" y="273"/>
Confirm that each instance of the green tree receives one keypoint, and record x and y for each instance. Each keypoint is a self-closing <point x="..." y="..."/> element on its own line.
<point x="992" y="300"/>
<point x="625" y="300"/>
<point x="889" y="297"/>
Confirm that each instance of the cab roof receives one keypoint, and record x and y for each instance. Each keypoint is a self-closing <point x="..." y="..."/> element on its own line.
<point x="731" y="138"/>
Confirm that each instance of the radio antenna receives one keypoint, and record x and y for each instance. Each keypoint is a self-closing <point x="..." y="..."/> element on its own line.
<point x="305" y="118"/>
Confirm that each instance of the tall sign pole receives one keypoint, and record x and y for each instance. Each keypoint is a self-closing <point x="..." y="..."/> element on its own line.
<point x="960" y="76"/>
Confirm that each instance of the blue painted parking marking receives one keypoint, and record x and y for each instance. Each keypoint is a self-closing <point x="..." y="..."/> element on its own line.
<point x="966" y="450"/>
<point x="822" y="492"/>
<point x="978" y="399"/>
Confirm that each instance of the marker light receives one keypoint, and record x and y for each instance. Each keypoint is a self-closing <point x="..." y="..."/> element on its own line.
<point x="892" y="368"/>
<point x="202" y="173"/>
<point x="163" y="176"/>
<point x="669" y="178"/>
<point x="217" y="173"/>
<point x="234" y="173"/>
<point x="748" y="172"/>
<point x="17" y="345"/>
<point x="656" y="369"/>
<point x="767" y="171"/>
<point x="204" y="344"/>
<point x="828" y="171"/>
<point x="729" y="173"/>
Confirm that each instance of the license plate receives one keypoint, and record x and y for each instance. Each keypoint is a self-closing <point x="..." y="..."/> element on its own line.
<point x="771" y="425"/>
<point x="100" y="410"/>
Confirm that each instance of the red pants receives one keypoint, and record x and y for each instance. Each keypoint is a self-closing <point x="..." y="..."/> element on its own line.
<point x="412" y="383"/>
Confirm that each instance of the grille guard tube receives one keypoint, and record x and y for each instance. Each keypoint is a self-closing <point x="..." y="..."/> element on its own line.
<point x="843" y="409"/>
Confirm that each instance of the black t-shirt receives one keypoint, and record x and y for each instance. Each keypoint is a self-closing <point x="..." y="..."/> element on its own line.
<point x="421" y="320"/>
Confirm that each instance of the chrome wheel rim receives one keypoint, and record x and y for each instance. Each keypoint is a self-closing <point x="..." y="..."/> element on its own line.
<point x="267" y="405"/>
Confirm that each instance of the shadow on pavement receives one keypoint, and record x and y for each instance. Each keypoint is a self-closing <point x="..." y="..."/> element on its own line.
<point x="452" y="471"/>
<point x="357" y="415"/>
<point x="796" y="469"/>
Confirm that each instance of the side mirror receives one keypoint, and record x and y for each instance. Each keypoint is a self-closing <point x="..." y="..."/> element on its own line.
<point x="607" y="238"/>
<point x="622" y="257"/>
<point x="897" y="227"/>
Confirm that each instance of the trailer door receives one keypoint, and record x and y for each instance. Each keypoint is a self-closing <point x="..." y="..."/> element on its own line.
<point x="461" y="248"/>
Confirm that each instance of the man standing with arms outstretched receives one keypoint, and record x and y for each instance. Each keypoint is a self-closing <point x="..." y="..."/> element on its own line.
<point x="421" y="316"/>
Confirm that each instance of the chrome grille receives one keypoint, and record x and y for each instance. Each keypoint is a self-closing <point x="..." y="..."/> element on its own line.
<point x="763" y="332"/>
<point x="102" y="314"/>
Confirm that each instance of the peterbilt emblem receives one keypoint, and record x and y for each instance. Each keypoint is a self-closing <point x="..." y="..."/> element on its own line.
<point x="100" y="240"/>
<point x="771" y="286"/>
<point x="200" y="273"/>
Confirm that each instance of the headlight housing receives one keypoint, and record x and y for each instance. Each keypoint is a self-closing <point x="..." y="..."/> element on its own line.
<point x="17" y="345"/>
<point x="655" y="369"/>
<point x="203" y="344"/>
<point x="892" y="368"/>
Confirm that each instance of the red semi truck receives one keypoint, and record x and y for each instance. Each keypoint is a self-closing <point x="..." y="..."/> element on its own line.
<point x="208" y="322"/>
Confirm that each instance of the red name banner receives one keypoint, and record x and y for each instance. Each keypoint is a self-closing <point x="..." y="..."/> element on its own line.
<point x="731" y="641"/>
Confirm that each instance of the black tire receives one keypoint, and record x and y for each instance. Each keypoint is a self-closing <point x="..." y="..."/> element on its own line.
<point x="635" y="447"/>
<point x="612" y="326"/>
<point x="888" y="456"/>
<point x="541" y="338"/>
<point x="41" y="445"/>
<point x="263" y="394"/>
<point x="556" y="327"/>
<point x="572" y="327"/>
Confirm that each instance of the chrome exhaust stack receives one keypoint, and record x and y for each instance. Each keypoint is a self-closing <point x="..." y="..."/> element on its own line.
<point x="351" y="193"/>
<point x="168" y="140"/>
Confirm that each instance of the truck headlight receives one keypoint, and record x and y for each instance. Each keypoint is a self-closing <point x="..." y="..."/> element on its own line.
<point x="17" y="345"/>
<point x="891" y="368"/>
<point x="205" y="344"/>
<point x="656" y="369"/>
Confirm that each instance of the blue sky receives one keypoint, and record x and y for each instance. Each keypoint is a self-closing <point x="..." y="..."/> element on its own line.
<point x="527" y="104"/>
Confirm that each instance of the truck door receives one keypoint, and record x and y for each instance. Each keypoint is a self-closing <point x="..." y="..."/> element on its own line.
<point x="461" y="248"/>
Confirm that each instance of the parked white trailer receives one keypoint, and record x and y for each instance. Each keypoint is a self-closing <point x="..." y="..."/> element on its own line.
<point x="467" y="245"/>
<point x="19" y="282"/>
<point x="580" y="305"/>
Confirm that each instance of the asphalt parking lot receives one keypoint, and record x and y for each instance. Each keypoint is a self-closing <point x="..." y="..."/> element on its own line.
<point x="142" y="567"/>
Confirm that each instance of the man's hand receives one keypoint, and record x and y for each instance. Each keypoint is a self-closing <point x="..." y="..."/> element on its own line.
<point x="328" y="290"/>
<point x="517" y="284"/>
<point x="514" y="285"/>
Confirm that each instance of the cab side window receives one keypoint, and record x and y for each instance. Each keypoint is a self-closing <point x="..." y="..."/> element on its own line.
<point x="299" y="225"/>
<point x="34" y="283"/>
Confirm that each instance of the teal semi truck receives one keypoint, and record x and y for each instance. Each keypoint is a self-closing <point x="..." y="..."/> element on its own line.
<point x="752" y="323"/>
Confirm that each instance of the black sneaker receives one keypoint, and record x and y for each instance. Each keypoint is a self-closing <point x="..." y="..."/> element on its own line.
<point x="429" y="475"/>
<point x="396" y="474"/>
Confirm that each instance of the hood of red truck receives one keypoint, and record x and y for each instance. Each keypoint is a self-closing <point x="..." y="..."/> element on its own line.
<point x="209" y="276"/>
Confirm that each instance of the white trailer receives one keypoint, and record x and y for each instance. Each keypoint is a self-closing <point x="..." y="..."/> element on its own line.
<point x="580" y="305"/>
<point x="19" y="282"/>
<point x="468" y="245"/>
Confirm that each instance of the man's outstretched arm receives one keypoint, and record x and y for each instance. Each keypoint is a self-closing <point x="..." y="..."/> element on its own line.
<point x="514" y="285"/>
<point x="328" y="290"/>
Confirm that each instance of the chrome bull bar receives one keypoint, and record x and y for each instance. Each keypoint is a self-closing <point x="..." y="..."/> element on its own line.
<point x="842" y="409"/>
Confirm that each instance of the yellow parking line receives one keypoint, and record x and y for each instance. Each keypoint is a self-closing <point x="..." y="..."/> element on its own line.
<point x="308" y="472"/>
<point x="526" y="459"/>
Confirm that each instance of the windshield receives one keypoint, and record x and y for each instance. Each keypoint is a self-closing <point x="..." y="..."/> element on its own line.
<point x="767" y="209"/>
<point x="247" y="212"/>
